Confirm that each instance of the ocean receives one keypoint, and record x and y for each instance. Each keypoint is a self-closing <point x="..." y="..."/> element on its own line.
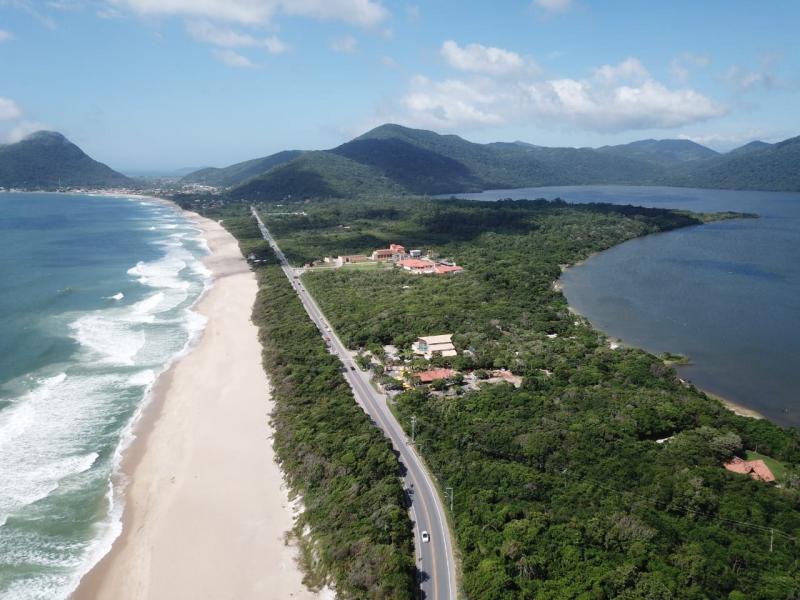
<point x="95" y="302"/>
<point x="726" y="294"/>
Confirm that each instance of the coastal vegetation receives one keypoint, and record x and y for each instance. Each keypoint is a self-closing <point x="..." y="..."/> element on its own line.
<point x="354" y="532"/>
<point x="601" y="475"/>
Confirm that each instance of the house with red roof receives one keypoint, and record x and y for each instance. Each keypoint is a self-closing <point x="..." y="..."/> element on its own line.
<point x="417" y="265"/>
<point x="434" y="374"/>
<point x="757" y="469"/>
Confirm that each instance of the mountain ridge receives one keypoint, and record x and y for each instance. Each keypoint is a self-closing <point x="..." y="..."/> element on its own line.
<point x="423" y="162"/>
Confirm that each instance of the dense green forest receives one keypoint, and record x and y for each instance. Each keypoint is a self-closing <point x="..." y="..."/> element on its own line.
<point x="392" y="160"/>
<point x="48" y="160"/>
<point x="359" y="537"/>
<point x="561" y="489"/>
<point x="239" y="172"/>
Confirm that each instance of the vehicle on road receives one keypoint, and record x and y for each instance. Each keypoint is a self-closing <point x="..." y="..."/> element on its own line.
<point x="352" y="368"/>
<point x="425" y="537"/>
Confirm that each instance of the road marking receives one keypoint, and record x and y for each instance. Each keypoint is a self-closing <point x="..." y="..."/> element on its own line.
<point x="391" y="432"/>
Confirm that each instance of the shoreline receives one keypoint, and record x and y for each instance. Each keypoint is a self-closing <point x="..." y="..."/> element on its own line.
<point x="205" y="506"/>
<point x="615" y="342"/>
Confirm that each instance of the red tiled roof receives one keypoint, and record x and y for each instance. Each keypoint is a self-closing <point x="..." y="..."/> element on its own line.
<point x="434" y="374"/>
<point x="415" y="263"/>
<point x="757" y="469"/>
<point x="442" y="269"/>
<point x="397" y="248"/>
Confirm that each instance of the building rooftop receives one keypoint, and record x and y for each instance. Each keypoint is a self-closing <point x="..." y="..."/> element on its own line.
<point x="443" y="269"/>
<point x="757" y="469"/>
<point x="434" y="374"/>
<point x="437" y="339"/>
<point x="415" y="263"/>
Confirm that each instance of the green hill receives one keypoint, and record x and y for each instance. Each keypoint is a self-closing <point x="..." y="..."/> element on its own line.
<point x="666" y="153"/>
<point x="771" y="167"/>
<point x="317" y="174"/>
<point x="240" y="172"/>
<point x="48" y="160"/>
<point x="393" y="159"/>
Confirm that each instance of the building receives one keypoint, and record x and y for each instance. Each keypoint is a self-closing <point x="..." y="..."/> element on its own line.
<point x="447" y="269"/>
<point x="757" y="469"/>
<point x="393" y="253"/>
<point x="383" y="254"/>
<point x="415" y="253"/>
<point x="434" y="375"/>
<point x="350" y="259"/>
<point x="434" y="345"/>
<point x="417" y="265"/>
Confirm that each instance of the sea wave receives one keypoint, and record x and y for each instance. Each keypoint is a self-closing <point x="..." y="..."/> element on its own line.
<point x="68" y="433"/>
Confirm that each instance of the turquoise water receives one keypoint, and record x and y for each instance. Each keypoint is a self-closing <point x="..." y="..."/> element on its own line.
<point x="726" y="294"/>
<point x="95" y="302"/>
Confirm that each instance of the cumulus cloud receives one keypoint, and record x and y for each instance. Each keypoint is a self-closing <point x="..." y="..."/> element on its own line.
<point x="203" y="31"/>
<point x="233" y="59"/>
<point x="553" y="5"/>
<point x="613" y="98"/>
<point x="630" y="68"/>
<point x="363" y="13"/>
<point x="481" y="59"/>
<point x="5" y="35"/>
<point x="21" y="130"/>
<point x="9" y="110"/>
<point x="346" y="43"/>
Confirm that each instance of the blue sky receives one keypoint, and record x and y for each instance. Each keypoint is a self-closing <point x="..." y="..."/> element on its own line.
<point x="162" y="84"/>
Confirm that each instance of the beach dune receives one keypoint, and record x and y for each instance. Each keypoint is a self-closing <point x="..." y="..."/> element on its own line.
<point x="205" y="507"/>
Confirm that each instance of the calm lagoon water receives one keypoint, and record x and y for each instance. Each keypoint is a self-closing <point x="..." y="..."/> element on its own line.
<point x="725" y="294"/>
<point x="94" y="303"/>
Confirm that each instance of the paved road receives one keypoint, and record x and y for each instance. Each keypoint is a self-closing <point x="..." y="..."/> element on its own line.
<point x="435" y="558"/>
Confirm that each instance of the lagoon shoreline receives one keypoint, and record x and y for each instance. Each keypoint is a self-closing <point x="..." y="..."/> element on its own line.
<point x="614" y="342"/>
<point x="206" y="509"/>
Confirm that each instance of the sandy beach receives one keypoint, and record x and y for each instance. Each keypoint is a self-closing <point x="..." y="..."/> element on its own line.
<point x="205" y="507"/>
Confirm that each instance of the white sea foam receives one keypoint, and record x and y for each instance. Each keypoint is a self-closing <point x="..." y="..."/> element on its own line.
<point x="51" y="436"/>
<point x="117" y="296"/>
<point x="42" y="437"/>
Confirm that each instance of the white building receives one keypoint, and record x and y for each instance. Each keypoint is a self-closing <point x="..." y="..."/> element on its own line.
<point x="432" y="345"/>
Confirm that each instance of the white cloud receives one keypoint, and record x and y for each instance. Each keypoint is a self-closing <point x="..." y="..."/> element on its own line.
<point x="680" y="65"/>
<point x="363" y="13"/>
<point x="203" y="31"/>
<point x="5" y="35"/>
<point x="553" y="5"/>
<point x="22" y="129"/>
<point x="697" y="60"/>
<point x="451" y="103"/>
<point x="9" y="110"/>
<point x="614" y="98"/>
<point x="628" y="69"/>
<point x="346" y="43"/>
<point x="481" y="59"/>
<point x="233" y="59"/>
<point x="728" y="141"/>
<point x="745" y="79"/>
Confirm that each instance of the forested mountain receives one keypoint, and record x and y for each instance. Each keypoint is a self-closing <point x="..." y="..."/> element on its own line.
<point x="662" y="152"/>
<point x="48" y="160"/>
<point x="240" y="172"/>
<point x="774" y="167"/>
<point x="393" y="159"/>
<point x="316" y="175"/>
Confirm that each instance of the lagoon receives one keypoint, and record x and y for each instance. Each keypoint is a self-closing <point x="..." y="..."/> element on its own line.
<point x="726" y="294"/>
